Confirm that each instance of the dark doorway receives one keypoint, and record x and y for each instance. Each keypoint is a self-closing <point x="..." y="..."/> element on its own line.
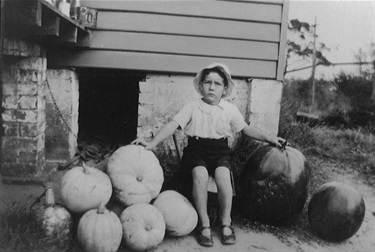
<point x="108" y="106"/>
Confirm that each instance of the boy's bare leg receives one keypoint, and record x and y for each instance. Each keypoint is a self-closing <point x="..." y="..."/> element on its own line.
<point x="200" y="182"/>
<point x="225" y="194"/>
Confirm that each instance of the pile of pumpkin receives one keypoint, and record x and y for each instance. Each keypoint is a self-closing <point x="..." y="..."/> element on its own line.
<point x="141" y="214"/>
<point x="273" y="189"/>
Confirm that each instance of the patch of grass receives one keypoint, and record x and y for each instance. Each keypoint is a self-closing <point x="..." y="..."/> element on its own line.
<point x="354" y="147"/>
<point x="20" y="231"/>
<point x="346" y="144"/>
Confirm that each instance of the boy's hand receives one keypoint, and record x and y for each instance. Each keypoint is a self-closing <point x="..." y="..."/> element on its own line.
<point x="282" y="141"/>
<point x="277" y="141"/>
<point x="141" y="141"/>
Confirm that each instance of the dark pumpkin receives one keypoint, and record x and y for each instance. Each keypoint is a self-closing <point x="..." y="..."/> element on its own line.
<point x="273" y="185"/>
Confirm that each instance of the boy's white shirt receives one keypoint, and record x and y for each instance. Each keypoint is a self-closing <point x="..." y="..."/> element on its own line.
<point x="200" y="119"/>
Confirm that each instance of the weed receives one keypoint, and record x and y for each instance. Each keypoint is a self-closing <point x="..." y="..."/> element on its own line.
<point x="20" y="231"/>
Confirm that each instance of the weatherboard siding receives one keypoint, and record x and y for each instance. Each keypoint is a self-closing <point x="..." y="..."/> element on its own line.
<point x="151" y="62"/>
<point x="170" y="35"/>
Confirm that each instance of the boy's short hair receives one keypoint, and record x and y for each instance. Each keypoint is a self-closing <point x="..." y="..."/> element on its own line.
<point x="207" y="71"/>
<point x="219" y="68"/>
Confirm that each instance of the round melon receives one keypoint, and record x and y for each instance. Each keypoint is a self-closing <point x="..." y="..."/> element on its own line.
<point x="136" y="175"/>
<point x="179" y="214"/>
<point x="336" y="211"/>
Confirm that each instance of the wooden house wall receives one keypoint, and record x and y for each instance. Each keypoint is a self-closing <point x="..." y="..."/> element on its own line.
<point x="182" y="36"/>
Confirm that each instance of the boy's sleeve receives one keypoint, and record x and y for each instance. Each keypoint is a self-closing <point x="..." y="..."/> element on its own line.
<point x="237" y="122"/>
<point x="183" y="117"/>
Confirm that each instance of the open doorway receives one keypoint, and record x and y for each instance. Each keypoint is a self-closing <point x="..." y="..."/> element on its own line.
<point x="108" y="107"/>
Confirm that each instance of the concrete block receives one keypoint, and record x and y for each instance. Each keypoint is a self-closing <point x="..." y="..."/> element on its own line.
<point x="10" y="101"/>
<point x="10" y="98"/>
<point x="27" y="102"/>
<point x="29" y="130"/>
<point x="29" y="76"/>
<point x="264" y="104"/>
<point x="266" y="90"/>
<point x="27" y="89"/>
<point x="8" y="115"/>
<point x="62" y="121"/>
<point x="25" y="116"/>
<point x="32" y="63"/>
<point x="11" y="129"/>
<point x="9" y="89"/>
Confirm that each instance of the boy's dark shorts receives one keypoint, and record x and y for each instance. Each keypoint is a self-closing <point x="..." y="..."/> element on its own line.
<point x="210" y="153"/>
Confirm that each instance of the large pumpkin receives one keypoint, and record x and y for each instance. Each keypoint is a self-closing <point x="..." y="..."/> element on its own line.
<point x="273" y="186"/>
<point x="136" y="174"/>
<point x="99" y="230"/>
<point x="336" y="211"/>
<point x="54" y="219"/>
<point x="143" y="226"/>
<point x="179" y="214"/>
<point x="84" y="188"/>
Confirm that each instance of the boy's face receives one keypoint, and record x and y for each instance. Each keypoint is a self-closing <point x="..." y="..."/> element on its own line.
<point x="212" y="88"/>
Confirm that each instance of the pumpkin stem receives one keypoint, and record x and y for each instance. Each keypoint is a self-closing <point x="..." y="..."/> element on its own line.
<point x="101" y="208"/>
<point x="50" y="196"/>
<point x="84" y="166"/>
<point x="284" y="144"/>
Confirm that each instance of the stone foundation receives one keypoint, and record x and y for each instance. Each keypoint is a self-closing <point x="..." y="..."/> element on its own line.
<point x="61" y="116"/>
<point x="264" y="105"/>
<point x="162" y="96"/>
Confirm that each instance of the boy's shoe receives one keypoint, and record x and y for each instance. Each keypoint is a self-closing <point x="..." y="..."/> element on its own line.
<point x="228" y="239"/>
<point x="205" y="240"/>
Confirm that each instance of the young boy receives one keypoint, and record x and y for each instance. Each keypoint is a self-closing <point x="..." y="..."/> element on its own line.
<point x="208" y="123"/>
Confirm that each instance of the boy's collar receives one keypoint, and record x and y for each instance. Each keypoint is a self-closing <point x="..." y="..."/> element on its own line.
<point x="205" y="107"/>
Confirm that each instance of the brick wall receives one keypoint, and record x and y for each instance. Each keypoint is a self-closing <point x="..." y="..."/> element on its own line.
<point x="23" y="114"/>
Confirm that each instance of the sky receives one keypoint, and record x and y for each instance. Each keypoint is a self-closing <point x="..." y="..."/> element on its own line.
<point x="343" y="26"/>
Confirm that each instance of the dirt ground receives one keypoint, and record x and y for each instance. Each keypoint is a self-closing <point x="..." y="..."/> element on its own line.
<point x="255" y="236"/>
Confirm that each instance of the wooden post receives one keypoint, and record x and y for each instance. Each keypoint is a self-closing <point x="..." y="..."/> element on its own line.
<point x="312" y="106"/>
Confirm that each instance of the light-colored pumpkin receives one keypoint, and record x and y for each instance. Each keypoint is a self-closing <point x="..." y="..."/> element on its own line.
<point x="143" y="226"/>
<point x="179" y="214"/>
<point x="84" y="188"/>
<point x="55" y="219"/>
<point x="99" y="230"/>
<point x="136" y="175"/>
